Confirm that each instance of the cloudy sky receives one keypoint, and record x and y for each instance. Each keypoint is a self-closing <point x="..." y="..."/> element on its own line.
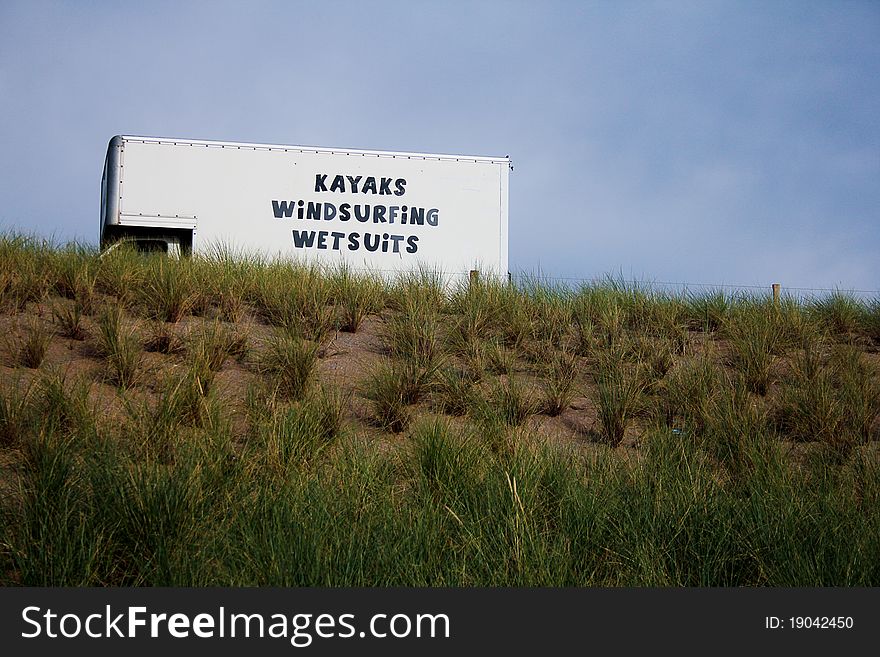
<point x="702" y="142"/>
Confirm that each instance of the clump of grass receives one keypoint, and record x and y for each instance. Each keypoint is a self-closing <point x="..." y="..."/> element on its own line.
<point x="473" y="309"/>
<point x="23" y="276"/>
<point x="618" y="395"/>
<point x="559" y="382"/>
<point x="227" y="276"/>
<point x="17" y="412"/>
<point x="75" y="276"/>
<point x="356" y="298"/>
<point x="169" y="292"/>
<point x="737" y="428"/>
<point x="499" y="358"/>
<point x="859" y="391"/>
<point x="656" y="354"/>
<point x="184" y="400"/>
<point x="516" y="326"/>
<point x="412" y="337"/>
<point x="412" y="334"/>
<point x="707" y="311"/>
<point x="387" y="392"/>
<point x="120" y="348"/>
<point x="214" y="343"/>
<point x="809" y="408"/>
<point x="840" y="313"/>
<point x="687" y="391"/>
<point x="424" y="287"/>
<point x="290" y="361"/>
<point x="50" y="540"/>
<point x="295" y="436"/>
<point x="328" y="410"/>
<point x="443" y="459"/>
<point x="550" y="310"/>
<point x="120" y="274"/>
<point x="68" y="318"/>
<point x="871" y="321"/>
<point x="296" y="298"/>
<point x="454" y="391"/>
<point x="475" y="360"/>
<point x="33" y="344"/>
<point x="63" y="403"/>
<point x="584" y="335"/>
<point x="163" y="339"/>
<point x="755" y="338"/>
<point x="508" y="403"/>
<point x="415" y="380"/>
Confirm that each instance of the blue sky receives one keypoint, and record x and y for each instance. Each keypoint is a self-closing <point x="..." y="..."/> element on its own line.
<point x="702" y="142"/>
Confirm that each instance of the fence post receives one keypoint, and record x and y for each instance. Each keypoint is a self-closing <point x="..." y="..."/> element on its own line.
<point x="475" y="275"/>
<point x="776" y="289"/>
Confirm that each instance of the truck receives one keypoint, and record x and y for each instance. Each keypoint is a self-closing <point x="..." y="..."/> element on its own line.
<point x="377" y="211"/>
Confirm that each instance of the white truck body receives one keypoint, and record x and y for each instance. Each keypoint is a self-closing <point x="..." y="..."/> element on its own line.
<point x="373" y="210"/>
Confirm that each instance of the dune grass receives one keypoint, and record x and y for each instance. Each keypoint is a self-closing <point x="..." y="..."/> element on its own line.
<point x="721" y="440"/>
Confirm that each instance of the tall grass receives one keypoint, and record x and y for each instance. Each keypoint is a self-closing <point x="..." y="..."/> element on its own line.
<point x="31" y="346"/>
<point x="298" y="509"/>
<point x="120" y="347"/>
<point x="389" y="392"/>
<point x="618" y="395"/>
<point x="294" y="297"/>
<point x="24" y="271"/>
<point x="356" y="297"/>
<point x="69" y="319"/>
<point x="290" y="362"/>
<point x="756" y="338"/>
<point x="755" y="461"/>
<point x="559" y="384"/>
<point x="75" y="274"/>
<point x="170" y="290"/>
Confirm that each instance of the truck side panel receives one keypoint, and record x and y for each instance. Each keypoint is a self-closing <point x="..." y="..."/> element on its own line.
<point x="380" y="211"/>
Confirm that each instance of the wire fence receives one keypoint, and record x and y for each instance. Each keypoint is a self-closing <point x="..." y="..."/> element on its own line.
<point x="685" y="286"/>
<point x="530" y="278"/>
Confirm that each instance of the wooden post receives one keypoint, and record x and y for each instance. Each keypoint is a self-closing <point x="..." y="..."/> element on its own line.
<point x="776" y="289"/>
<point x="475" y="275"/>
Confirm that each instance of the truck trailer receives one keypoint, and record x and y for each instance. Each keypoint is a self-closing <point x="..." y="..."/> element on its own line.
<point x="378" y="211"/>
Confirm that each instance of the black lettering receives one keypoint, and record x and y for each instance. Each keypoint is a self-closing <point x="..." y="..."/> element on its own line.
<point x="338" y="184"/>
<point x="369" y="185"/>
<point x="313" y="211"/>
<point x="375" y="245"/>
<point x="299" y="211"/>
<point x="417" y="216"/>
<point x="412" y="243"/>
<point x="336" y="237"/>
<point x="399" y="185"/>
<point x="354" y="183"/>
<point x="303" y="239"/>
<point x="433" y="216"/>
<point x="322" y="239"/>
<point x="385" y="243"/>
<point x="283" y="208"/>
<point x="385" y="186"/>
<point x="396" y="239"/>
<point x="379" y="214"/>
<point x="392" y="213"/>
<point x="320" y="182"/>
<point x="362" y="217"/>
<point x="344" y="212"/>
<point x="353" y="244"/>
<point x="329" y="211"/>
